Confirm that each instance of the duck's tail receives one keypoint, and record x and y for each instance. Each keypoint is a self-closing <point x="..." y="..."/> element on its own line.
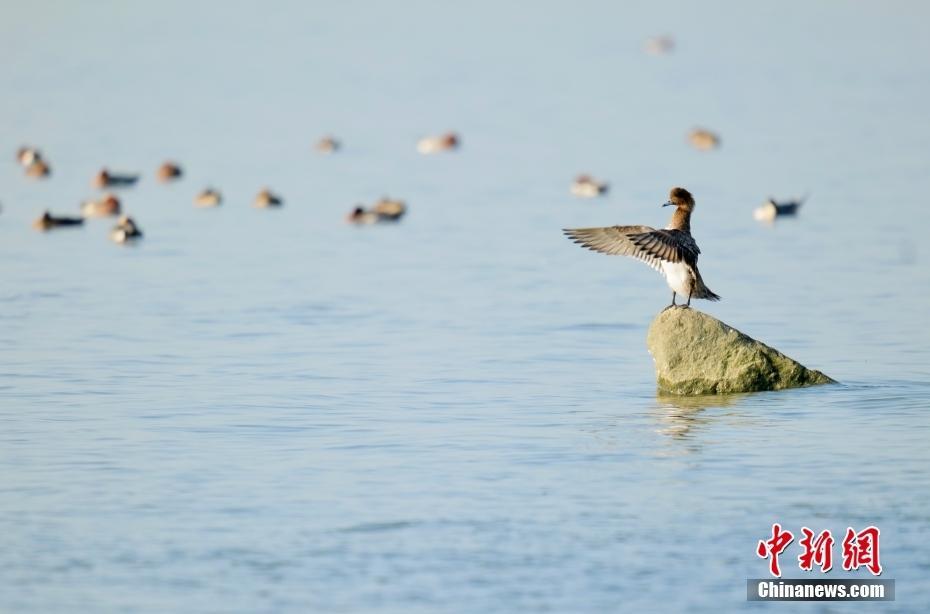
<point x="702" y="291"/>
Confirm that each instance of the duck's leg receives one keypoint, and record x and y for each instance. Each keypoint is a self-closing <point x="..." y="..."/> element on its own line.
<point x="688" y="304"/>
<point x="673" y="301"/>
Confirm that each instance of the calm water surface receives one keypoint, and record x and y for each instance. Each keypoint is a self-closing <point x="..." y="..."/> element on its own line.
<point x="273" y="411"/>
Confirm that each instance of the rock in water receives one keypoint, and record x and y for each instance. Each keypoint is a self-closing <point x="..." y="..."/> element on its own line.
<point x="697" y="354"/>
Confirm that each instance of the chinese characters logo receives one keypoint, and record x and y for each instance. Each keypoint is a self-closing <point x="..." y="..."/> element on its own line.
<point x="859" y="549"/>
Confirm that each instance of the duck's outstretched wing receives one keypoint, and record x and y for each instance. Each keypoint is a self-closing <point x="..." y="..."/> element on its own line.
<point x="647" y="244"/>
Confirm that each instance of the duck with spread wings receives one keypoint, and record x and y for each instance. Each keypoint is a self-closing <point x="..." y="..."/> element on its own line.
<point x="672" y="250"/>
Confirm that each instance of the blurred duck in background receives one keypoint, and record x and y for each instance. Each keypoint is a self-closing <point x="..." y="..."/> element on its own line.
<point x="106" y="179"/>
<point x="47" y="222"/>
<point x="106" y="206"/>
<point x="328" y="145"/>
<point x="586" y="186"/>
<point x="38" y="169"/>
<point x="266" y="199"/>
<point x="772" y="209"/>
<point x="208" y="198"/>
<point x="169" y="171"/>
<point x="385" y="210"/>
<point x="659" y="45"/>
<point x="34" y="165"/>
<point x="435" y="144"/>
<point x="703" y="139"/>
<point x="125" y="231"/>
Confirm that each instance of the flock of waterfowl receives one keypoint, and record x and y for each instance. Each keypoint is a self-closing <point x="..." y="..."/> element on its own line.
<point x="36" y="166"/>
<point x="126" y="230"/>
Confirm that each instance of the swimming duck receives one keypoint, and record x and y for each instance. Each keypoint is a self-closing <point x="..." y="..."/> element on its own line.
<point x="47" y="221"/>
<point x="38" y="169"/>
<point x="327" y="145"/>
<point x="660" y="45"/>
<point x="703" y="139"/>
<point x="102" y="207"/>
<point x="586" y="186"/>
<point x="385" y="210"/>
<point x="266" y="199"/>
<point x="106" y="179"/>
<point x="125" y="230"/>
<point x="434" y="144"/>
<point x="168" y="171"/>
<point x="208" y="198"/>
<point x="771" y="209"/>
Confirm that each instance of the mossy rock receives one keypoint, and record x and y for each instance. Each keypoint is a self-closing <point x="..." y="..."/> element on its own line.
<point x="697" y="354"/>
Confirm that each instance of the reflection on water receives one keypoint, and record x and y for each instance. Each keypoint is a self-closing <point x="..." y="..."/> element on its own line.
<point x="696" y="403"/>
<point x="679" y="415"/>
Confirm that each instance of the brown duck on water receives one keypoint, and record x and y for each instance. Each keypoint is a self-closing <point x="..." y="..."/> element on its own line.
<point x="385" y="210"/>
<point x="48" y="221"/>
<point x="208" y="198"/>
<point x="267" y="199"/>
<point x="105" y="179"/>
<point x="102" y="207"/>
<point x="168" y="171"/>
<point x="125" y="230"/>
<point x="586" y="186"/>
<point x="435" y="144"/>
<point x="328" y="145"/>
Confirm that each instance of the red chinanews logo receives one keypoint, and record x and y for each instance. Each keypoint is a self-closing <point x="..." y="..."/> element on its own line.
<point x="859" y="549"/>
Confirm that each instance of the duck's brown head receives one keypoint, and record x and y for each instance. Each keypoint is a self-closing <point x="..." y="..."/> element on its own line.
<point x="102" y="178"/>
<point x="356" y="215"/>
<point x="681" y="198"/>
<point x="44" y="222"/>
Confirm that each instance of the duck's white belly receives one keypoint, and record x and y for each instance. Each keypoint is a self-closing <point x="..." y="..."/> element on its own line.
<point x="678" y="276"/>
<point x="765" y="213"/>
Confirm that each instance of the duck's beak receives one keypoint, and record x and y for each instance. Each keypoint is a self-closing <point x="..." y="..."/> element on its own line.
<point x="669" y="204"/>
